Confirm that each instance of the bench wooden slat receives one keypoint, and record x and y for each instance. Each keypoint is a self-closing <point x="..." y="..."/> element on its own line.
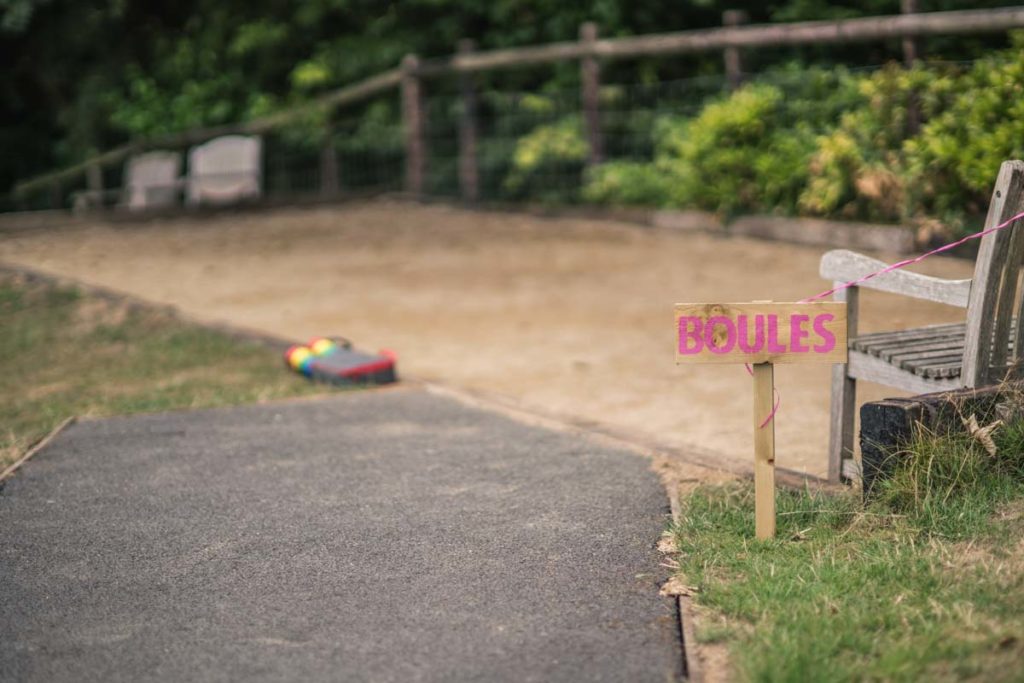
<point x="891" y="352"/>
<point x="902" y="337"/>
<point x="933" y="352"/>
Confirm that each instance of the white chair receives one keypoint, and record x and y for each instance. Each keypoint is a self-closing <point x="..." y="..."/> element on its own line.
<point x="152" y="181"/>
<point x="225" y="170"/>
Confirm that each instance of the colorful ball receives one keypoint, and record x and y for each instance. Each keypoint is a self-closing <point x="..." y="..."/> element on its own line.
<point x="297" y="355"/>
<point x="322" y="346"/>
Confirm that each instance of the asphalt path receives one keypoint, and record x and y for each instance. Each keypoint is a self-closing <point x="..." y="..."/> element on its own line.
<point x="388" y="535"/>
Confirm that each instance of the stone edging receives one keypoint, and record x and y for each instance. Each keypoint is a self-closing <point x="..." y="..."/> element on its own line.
<point x="897" y="239"/>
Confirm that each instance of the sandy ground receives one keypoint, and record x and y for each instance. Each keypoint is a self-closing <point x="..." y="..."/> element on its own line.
<point x="570" y="316"/>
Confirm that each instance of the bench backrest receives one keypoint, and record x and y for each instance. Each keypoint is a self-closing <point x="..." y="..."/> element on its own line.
<point x="151" y="180"/>
<point x="994" y="317"/>
<point x="225" y="170"/>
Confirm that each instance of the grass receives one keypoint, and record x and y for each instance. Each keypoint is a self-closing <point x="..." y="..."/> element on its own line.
<point x="63" y="353"/>
<point x="926" y="583"/>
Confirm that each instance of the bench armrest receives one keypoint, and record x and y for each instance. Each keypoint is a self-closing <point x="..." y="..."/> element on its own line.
<point x="841" y="265"/>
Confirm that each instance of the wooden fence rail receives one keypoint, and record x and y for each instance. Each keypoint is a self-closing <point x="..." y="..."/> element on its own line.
<point x="589" y="50"/>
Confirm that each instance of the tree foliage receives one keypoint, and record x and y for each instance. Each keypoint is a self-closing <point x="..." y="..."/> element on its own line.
<point x="79" y="77"/>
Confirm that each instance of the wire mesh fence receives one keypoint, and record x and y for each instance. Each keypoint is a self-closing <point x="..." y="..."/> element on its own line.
<point x="527" y="145"/>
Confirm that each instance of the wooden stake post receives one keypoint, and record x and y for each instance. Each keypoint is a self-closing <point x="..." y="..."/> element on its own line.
<point x="761" y="334"/>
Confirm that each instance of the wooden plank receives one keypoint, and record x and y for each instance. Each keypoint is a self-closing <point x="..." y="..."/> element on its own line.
<point x="329" y="176"/>
<point x="888" y="348"/>
<point x="914" y="332"/>
<point x="414" y="123"/>
<point x="814" y="32"/>
<point x="732" y="55"/>
<point x="880" y="347"/>
<point x="943" y="372"/>
<point x="981" y="309"/>
<point x="944" y="347"/>
<point x="1007" y="296"/>
<point x="920" y="350"/>
<point x="880" y="341"/>
<point x="911" y="50"/>
<point x="764" y="451"/>
<point x="94" y="179"/>
<point x="919" y="365"/>
<point x="469" y="174"/>
<point x="761" y="332"/>
<point x="843" y="406"/>
<point x="590" y="91"/>
<point x="870" y="369"/>
<point x="765" y="35"/>
<point x="911" y="53"/>
<point x="1018" y="334"/>
<point x="116" y="155"/>
<point x="846" y="266"/>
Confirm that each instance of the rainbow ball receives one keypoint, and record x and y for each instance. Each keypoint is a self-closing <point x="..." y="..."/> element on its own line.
<point x="297" y="355"/>
<point x="306" y="365"/>
<point x="322" y="346"/>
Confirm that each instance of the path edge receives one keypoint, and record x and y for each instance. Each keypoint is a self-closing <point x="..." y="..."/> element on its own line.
<point x="36" y="447"/>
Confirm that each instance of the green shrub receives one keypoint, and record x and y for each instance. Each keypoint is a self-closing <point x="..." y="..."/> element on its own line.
<point x="858" y="170"/>
<point x="737" y="154"/>
<point x="897" y="145"/>
<point x="627" y="183"/>
<point x="548" y="160"/>
<point x="955" y="159"/>
<point x="746" y="151"/>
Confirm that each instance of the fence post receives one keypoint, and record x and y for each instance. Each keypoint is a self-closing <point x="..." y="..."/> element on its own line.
<point x="733" y="58"/>
<point x="94" y="183"/>
<point x="911" y="53"/>
<point x="55" y="195"/>
<point x="414" y="122"/>
<point x="469" y="173"/>
<point x="590" y="84"/>
<point x="911" y="47"/>
<point x="329" y="185"/>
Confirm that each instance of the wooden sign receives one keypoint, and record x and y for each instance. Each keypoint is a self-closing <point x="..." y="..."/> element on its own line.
<point x="761" y="334"/>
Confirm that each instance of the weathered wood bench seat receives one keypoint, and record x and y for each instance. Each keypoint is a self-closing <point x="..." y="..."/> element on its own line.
<point x="935" y="352"/>
<point x="981" y="351"/>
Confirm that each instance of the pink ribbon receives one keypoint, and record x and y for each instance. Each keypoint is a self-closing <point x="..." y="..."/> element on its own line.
<point x="911" y="261"/>
<point x="778" y="400"/>
<point x="888" y="269"/>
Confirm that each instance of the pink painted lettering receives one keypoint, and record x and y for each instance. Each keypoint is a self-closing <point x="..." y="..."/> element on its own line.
<point x="695" y="335"/>
<point x="710" y="335"/>
<point x="743" y="332"/>
<point x="828" y="339"/>
<point x="773" y="335"/>
<point x="797" y="333"/>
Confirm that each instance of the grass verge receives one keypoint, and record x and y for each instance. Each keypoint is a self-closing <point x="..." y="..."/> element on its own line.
<point x="926" y="583"/>
<point x="63" y="353"/>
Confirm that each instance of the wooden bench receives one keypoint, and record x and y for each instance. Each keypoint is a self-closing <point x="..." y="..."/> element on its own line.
<point x="982" y="350"/>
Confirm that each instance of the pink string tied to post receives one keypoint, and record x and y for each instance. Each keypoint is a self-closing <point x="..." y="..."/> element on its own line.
<point x="888" y="269"/>
<point x="778" y="400"/>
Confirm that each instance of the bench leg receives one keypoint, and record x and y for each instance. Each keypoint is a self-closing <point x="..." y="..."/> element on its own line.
<point x="840" y="440"/>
